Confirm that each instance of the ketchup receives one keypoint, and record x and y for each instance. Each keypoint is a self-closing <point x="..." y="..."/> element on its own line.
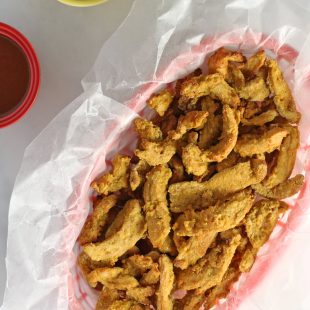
<point x="14" y="76"/>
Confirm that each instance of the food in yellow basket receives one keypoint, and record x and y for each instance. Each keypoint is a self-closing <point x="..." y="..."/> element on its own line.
<point x="191" y="209"/>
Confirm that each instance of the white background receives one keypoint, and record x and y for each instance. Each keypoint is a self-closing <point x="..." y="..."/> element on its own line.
<point x="67" y="41"/>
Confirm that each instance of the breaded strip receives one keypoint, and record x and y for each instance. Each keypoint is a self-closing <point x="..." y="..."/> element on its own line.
<point x="285" y="160"/>
<point x="93" y="225"/>
<point x="137" y="174"/>
<point x="254" y="90"/>
<point x="229" y="161"/>
<point x="222" y="289"/>
<point x="168" y="246"/>
<point x="147" y="130"/>
<point x="136" y="265"/>
<point x="156" y="206"/>
<point x="192" y="301"/>
<point x="150" y="277"/>
<point x="125" y="304"/>
<point x="219" y="61"/>
<point x="116" y="179"/>
<point x="284" y="190"/>
<point x="261" y="119"/>
<point x="106" y="298"/>
<point x="130" y="231"/>
<point x="191" y="250"/>
<point x="283" y="99"/>
<point x="164" y="299"/>
<point x="247" y="259"/>
<point x="190" y="195"/>
<point x="212" y="85"/>
<point x="156" y="153"/>
<point x="254" y="63"/>
<point x="161" y="102"/>
<point x="222" y="216"/>
<point x="261" y="220"/>
<point x="235" y="77"/>
<point x="210" y="269"/>
<point x="191" y="120"/>
<point x="112" y="278"/>
<point x="252" y="144"/>
<point x="140" y="294"/>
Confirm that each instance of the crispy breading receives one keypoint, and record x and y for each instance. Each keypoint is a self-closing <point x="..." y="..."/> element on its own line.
<point x="254" y="90"/>
<point x="209" y="134"/>
<point x="231" y="160"/>
<point x="87" y="265"/>
<point x="106" y="298"/>
<point x="178" y="173"/>
<point x="169" y="122"/>
<point x="283" y="98"/>
<point x="247" y="259"/>
<point x="228" y="138"/>
<point x="192" y="301"/>
<point x="222" y="289"/>
<point x="219" y="61"/>
<point x="261" y="119"/>
<point x="136" y="265"/>
<point x="125" y="305"/>
<point x="189" y="195"/>
<point x="156" y="153"/>
<point x="192" y="137"/>
<point x="261" y="220"/>
<point x="222" y="216"/>
<point x="193" y="160"/>
<point x="137" y="174"/>
<point x="192" y="120"/>
<point x="116" y="179"/>
<point x="112" y="278"/>
<point x="285" y="189"/>
<point x="191" y="250"/>
<point x="161" y="101"/>
<point x="254" y="63"/>
<point x="212" y="85"/>
<point x="164" y="298"/>
<point x="140" y="294"/>
<point x="130" y="231"/>
<point x="168" y="247"/>
<point x="267" y="142"/>
<point x="156" y="206"/>
<point x="235" y="76"/>
<point x="147" y="130"/>
<point x="210" y="269"/>
<point x="93" y="225"/>
<point x="252" y="108"/>
<point x="285" y="160"/>
<point x="150" y="277"/>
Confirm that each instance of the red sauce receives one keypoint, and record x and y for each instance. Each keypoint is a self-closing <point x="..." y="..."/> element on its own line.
<point x="14" y="76"/>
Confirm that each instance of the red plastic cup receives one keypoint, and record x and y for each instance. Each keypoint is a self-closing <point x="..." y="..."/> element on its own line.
<point x="34" y="75"/>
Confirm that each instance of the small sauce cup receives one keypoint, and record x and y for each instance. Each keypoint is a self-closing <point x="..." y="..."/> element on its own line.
<point x="19" y="75"/>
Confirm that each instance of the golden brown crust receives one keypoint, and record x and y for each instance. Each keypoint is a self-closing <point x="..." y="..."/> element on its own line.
<point x="164" y="298"/>
<point x="161" y="101"/>
<point x="147" y="130"/>
<point x="116" y="179"/>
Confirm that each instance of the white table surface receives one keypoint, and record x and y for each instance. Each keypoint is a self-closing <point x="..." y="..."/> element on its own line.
<point x="67" y="41"/>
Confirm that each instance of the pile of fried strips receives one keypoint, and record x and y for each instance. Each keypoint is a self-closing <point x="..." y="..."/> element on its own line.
<point x="175" y="225"/>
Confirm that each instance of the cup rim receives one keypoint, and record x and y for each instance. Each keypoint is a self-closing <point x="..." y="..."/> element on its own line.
<point x="79" y="3"/>
<point x="34" y="74"/>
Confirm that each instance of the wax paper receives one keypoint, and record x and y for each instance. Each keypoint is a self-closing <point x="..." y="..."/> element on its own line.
<point x="157" y="43"/>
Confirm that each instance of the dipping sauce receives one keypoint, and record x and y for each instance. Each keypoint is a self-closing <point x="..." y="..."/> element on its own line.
<point x="14" y="76"/>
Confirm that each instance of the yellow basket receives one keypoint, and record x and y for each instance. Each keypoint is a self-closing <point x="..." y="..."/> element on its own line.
<point x="82" y="3"/>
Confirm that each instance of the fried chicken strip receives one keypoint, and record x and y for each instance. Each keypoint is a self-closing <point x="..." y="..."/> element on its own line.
<point x="193" y="249"/>
<point x="156" y="153"/>
<point x="283" y="99"/>
<point x="161" y="102"/>
<point x="156" y="206"/>
<point x="222" y="216"/>
<point x="284" y="190"/>
<point x="130" y="231"/>
<point x="116" y="179"/>
<point x="261" y="119"/>
<point x="254" y="63"/>
<point x="164" y="299"/>
<point x="210" y="269"/>
<point x="93" y="225"/>
<point x="191" y="120"/>
<point x="252" y="144"/>
<point x="190" y="195"/>
<point x="147" y="130"/>
<point x="255" y="90"/>
<point x="212" y="85"/>
<point x="137" y="174"/>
